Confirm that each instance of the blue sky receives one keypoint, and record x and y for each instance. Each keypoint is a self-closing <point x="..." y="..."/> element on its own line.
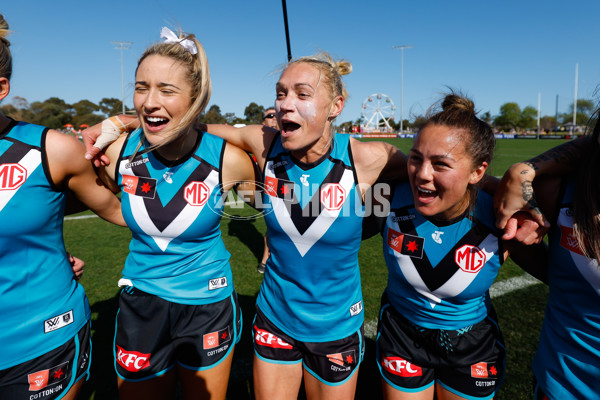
<point x="494" y="51"/>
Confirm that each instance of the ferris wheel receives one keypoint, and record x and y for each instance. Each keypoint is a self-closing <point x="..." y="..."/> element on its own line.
<point x="377" y="110"/>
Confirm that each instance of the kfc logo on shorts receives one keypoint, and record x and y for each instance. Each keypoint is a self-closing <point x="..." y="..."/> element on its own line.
<point x="267" y="339"/>
<point x="470" y="258"/>
<point x="215" y="339"/>
<point x="132" y="361"/>
<point x="484" y="370"/>
<point x="333" y="196"/>
<point x="401" y="367"/>
<point x="41" y="379"/>
<point x="12" y="176"/>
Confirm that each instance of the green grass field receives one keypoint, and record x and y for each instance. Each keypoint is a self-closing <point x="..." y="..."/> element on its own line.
<point x="104" y="247"/>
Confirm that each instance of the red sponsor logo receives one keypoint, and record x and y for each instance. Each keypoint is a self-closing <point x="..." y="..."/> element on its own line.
<point x="470" y="258"/>
<point x="483" y="370"/>
<point x="41" y="379"/>
<point x="132" y="361"/>
<point x="271" y="186"/>
<point x="196" y="193"/>
<point x="215" y="339"/>
<point x="38" y="380"/>
<point x="12" y="176"/>
<point x="130" y="183"/>
<point x="265" y="338"/>
<point x="401" y="367"/>
<point x="342" y="359"/>
<point x="568" y="240"/>
<point x="395" y="240"/>
<point x="333" y="196"/>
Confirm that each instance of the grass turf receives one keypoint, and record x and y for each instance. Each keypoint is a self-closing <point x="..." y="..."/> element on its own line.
<point x="104" y="247"/>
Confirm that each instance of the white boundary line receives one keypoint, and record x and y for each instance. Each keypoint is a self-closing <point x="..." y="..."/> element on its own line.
<point x="498" y="289"/>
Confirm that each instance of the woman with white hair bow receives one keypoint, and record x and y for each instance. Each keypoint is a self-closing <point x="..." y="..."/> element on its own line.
<point x="179" y="317"/>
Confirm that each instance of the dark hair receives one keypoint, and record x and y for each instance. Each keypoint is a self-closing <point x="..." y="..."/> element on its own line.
<point x="5" y="56"/>
<point x="586" y="207"/>
<point x="458" y="111"/>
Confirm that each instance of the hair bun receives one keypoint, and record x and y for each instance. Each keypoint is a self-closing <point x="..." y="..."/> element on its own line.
<point x="343" y="67"/>
<point x="4" y="32"/>
<point x="458" y="103"/>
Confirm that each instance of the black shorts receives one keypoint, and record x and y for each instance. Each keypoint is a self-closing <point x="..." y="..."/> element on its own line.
<point x="153" y="334"/>
<point x="469" y="362"/>
<point x="333" y="363"/>
<point x="51" y="375"/>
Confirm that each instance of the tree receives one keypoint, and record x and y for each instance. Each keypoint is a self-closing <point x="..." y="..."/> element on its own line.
<point x="213" y="116"/>
<point x="253" y="113"/>
<point x="585" y="109"/>
<point x="111" y="106"/>
<point x="528" y="118"/>
<point x="486" y="117"/>
<point x="510" y="116"/>
<point x="548" y="123"/>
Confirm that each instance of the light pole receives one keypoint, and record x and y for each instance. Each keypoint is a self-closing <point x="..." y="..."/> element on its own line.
<point x="122" y="46"/>
<point x="401" y="82"/>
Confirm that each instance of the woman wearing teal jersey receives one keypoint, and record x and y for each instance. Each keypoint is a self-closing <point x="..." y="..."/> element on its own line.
<point x="178" y="317"/>
<point x="45" y="324"/>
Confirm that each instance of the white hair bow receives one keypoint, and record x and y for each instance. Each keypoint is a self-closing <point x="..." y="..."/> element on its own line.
<point x="170" y="37"/>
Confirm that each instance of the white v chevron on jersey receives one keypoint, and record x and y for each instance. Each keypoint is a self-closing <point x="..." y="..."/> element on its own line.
<point x="180" y="223"/>
<point x="319" y="226"/>
<point x="587" y="267"/>
<point x="29" y="162"/>
<point x="455" y="284"/>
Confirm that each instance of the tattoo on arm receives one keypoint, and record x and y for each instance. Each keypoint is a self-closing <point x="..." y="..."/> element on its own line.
<point x="529" y="197"/>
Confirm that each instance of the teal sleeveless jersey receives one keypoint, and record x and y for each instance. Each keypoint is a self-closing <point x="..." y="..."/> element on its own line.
<point x="439" y="274"/>
<point x="567" y="361"/>
<point x="41" y="304"/>
<point x="174" y="211"/>
<point x="311" y="289"/>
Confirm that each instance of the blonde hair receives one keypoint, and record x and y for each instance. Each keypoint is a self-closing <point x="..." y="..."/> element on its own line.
<point x="198" y="77"/>
<point x="5" y="55"/>
<point x="330" y="74"/>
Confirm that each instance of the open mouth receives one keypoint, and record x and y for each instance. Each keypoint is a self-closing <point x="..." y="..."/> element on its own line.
<point x="425" y="195"/>
<point x="156" y="123"/>
<point x="289" y="126"/>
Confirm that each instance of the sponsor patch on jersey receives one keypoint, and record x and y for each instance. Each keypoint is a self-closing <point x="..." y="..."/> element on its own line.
<point x="196" y="193"/>
<point x="568" y="240"/>
<point x="216" y="339"/>
<point x="217" y="283"/>
<point x="12" y="176"/>
<point x="60" y="321"/>
<point x="356" y="308"/>
<point x="139" y="186"/>
<point x="406" y="244"/>
<point x="470" y="258"/>
<point x="484" y="370"/>
<point x="401" y="367"/>
<point x="266" y="338"/>
<point x="345" y="359"/>
<point x="47" y="377"/>
<point x="132" y="361"/>
<point x="333" y="196"/>
<point x="280" y="188"/>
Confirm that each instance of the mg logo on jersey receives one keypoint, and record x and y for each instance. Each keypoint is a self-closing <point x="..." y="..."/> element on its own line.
<point x="12" y="176"/>
<point x="265" y="338"/>
<point x="470" y="258"/>
<point x="196" y="193"/>
<point x="132" y="361"/>
<point x="333" y="196"/>
<point x="401" y="367"/>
